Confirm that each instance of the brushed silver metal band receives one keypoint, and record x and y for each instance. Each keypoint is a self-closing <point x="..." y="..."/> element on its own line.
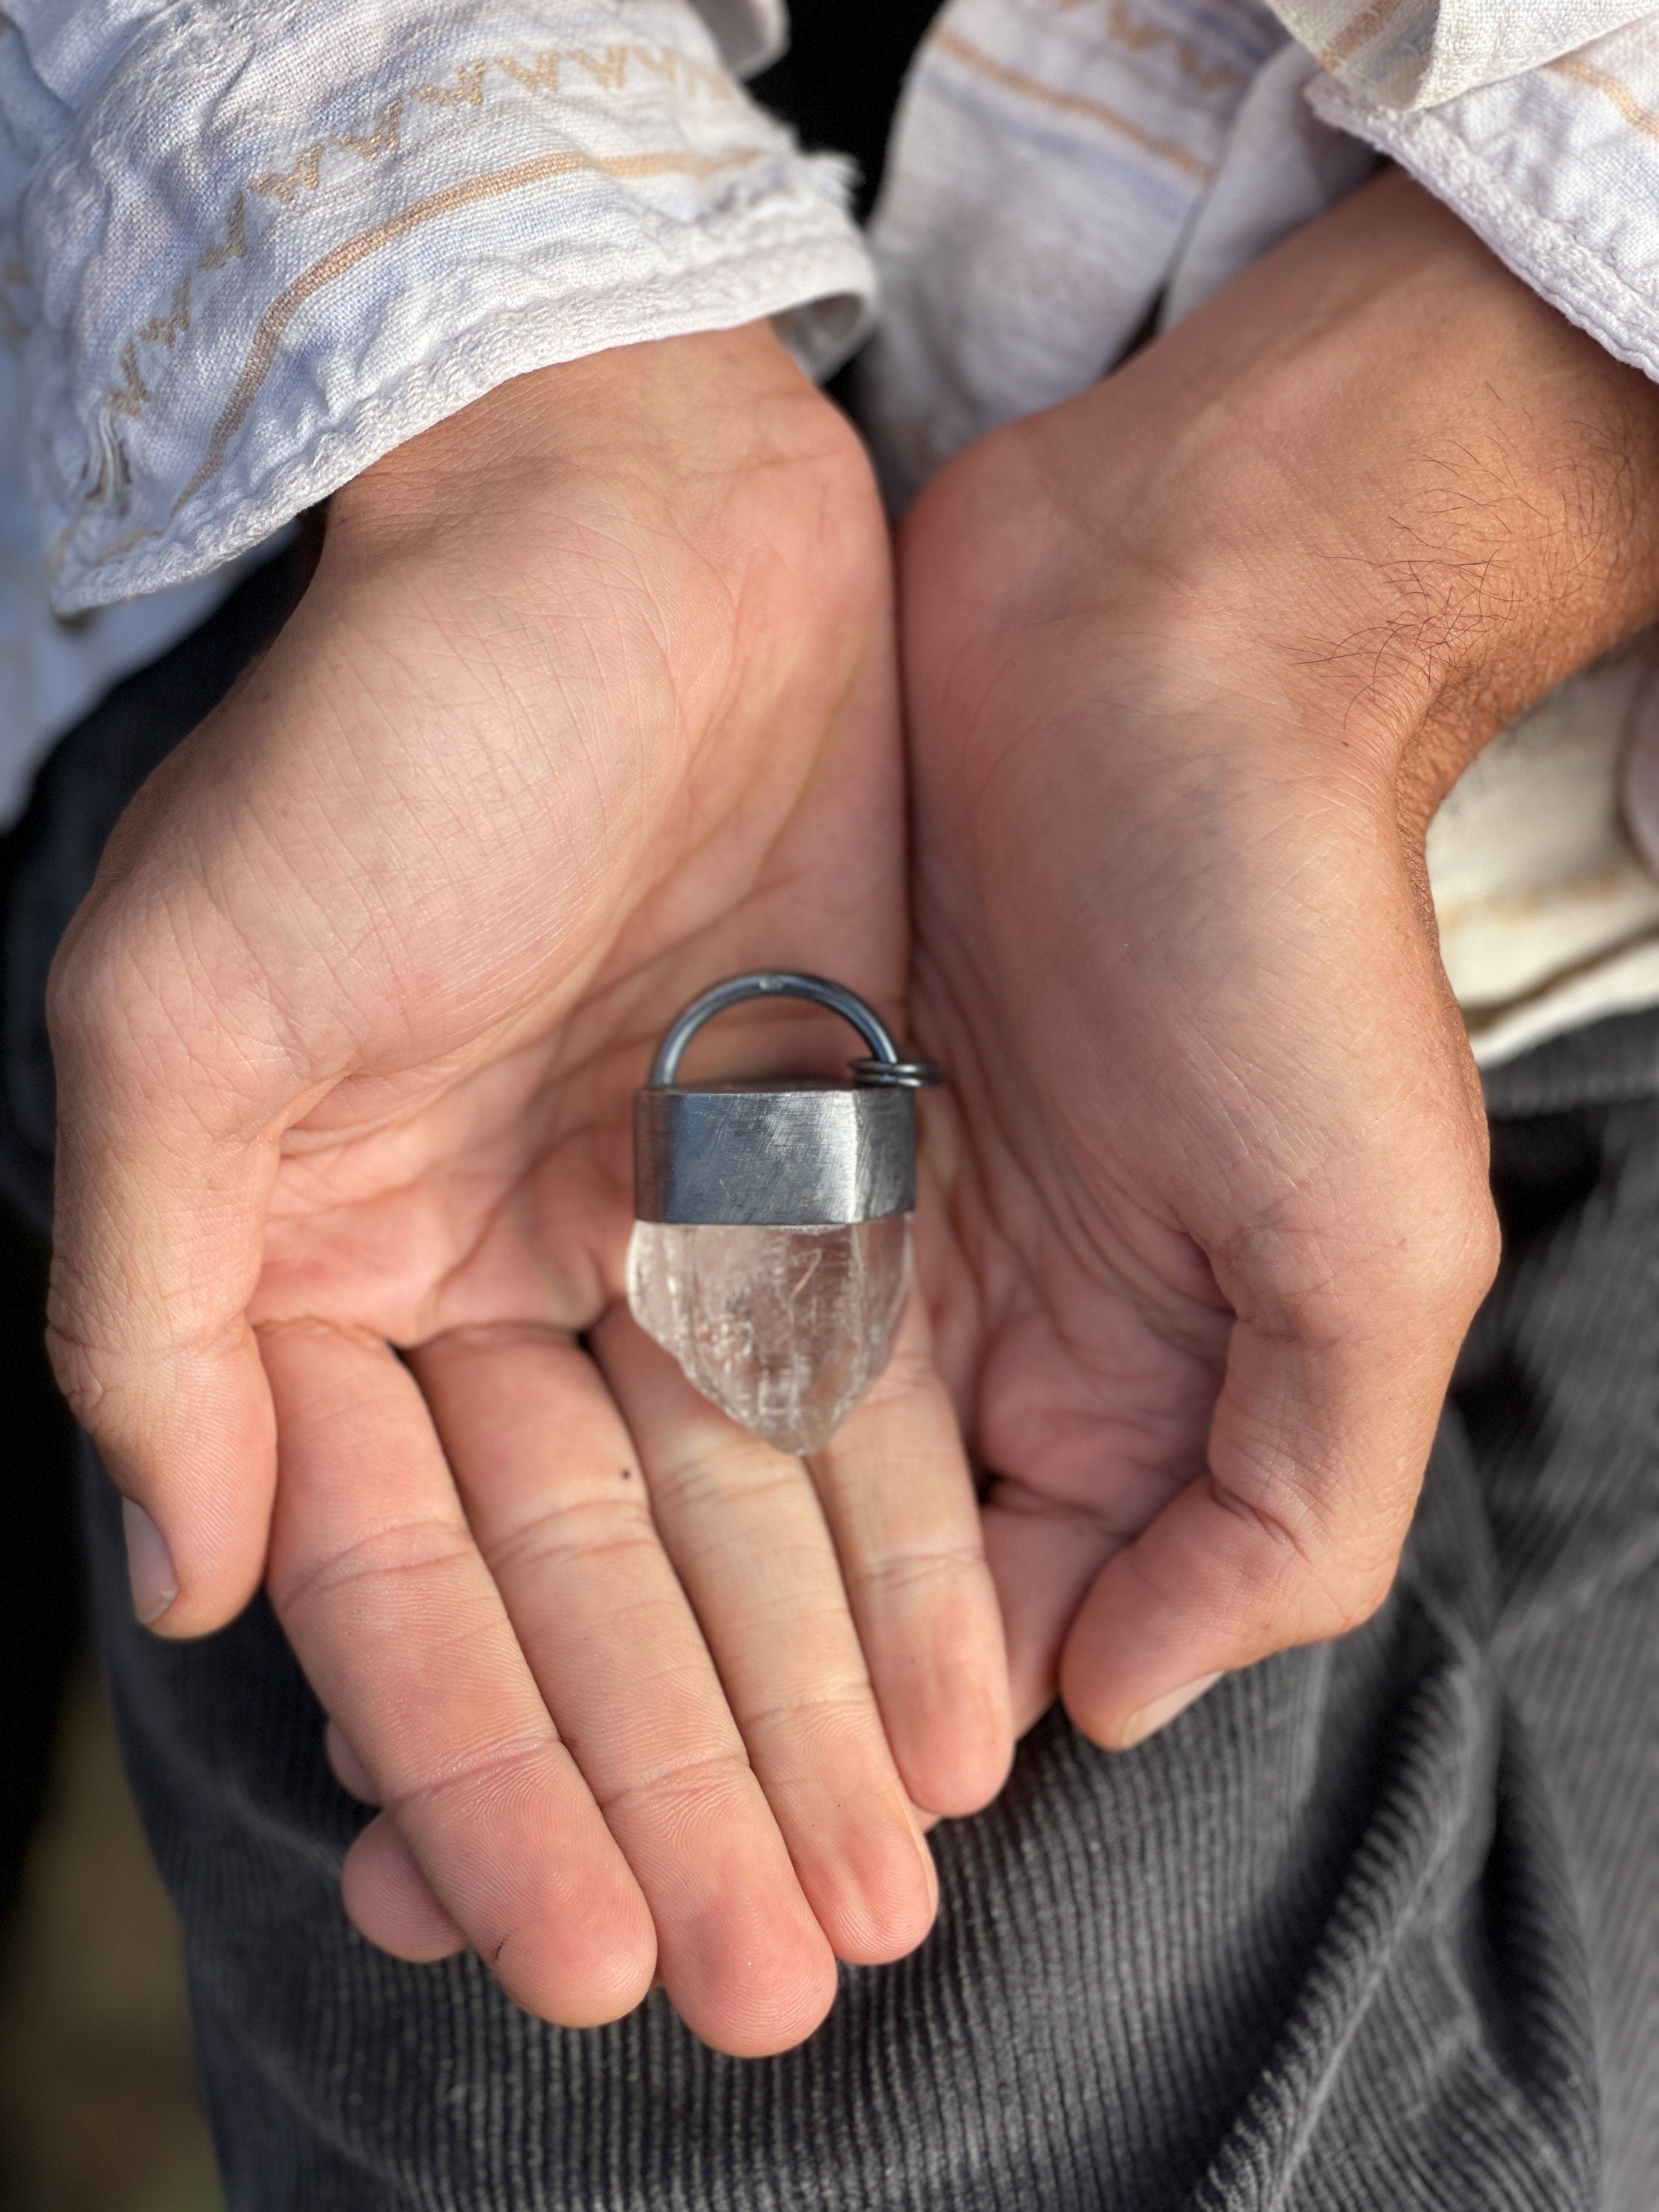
<point x="792" y="1152"/>
<point x="784" y="1153"/>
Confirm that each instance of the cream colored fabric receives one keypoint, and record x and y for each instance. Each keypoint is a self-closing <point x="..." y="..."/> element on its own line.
<point x="1558" y="170"/>
<point x="246" y="247"/>
<point x="1057" y="173"/>
<point x="748" y="33"/>
<point x="1415" y="53"/>
<point x="260" y="247"/>
<point x="1548" y="913"/>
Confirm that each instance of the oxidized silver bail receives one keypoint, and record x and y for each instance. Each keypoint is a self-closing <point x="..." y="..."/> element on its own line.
<point x="784" y="1152"/>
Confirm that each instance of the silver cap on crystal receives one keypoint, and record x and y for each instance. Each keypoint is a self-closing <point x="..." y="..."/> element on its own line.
<point x="788" y="1151"/>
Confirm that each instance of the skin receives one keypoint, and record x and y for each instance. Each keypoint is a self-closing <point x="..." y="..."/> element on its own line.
<point x="590" y="700"/>
<point x="1189" y="662"/>
<point x="593" y="700"/>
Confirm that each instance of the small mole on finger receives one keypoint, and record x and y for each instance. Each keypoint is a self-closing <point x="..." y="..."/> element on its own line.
<point x="628" y="1474"/>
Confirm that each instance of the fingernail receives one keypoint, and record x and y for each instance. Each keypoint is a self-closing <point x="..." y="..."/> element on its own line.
<point x="1162" y="1710"/>
<point x="149" y="1565"/>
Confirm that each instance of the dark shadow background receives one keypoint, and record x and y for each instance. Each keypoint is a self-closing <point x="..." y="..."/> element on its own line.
<point x="839" y="82"/>
<point x="41" y="1620"/>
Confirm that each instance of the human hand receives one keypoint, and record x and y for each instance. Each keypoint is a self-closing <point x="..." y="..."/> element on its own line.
<point x="590" y="702"/>
<point x="1189" y="662"/>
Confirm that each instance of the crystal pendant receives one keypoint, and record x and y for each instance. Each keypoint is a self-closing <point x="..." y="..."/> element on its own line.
<point x="785" y="1328"/>
<point x="771" y="1251"/>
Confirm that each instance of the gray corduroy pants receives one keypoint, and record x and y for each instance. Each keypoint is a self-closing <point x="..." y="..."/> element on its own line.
<point x="1374" y="1926"/>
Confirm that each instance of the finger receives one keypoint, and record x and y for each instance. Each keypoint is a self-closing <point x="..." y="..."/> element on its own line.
<point x="1317" y="1449"/>
<point x="554" y="1493"/>
<point x="402" y="1634"/>
<point x="386" y="1897"/>
<point x="749" y="1541"/>
<point x="348" y="1771"/>
<point x="897" y="1493"/>
<point x="167" y="1152"/>
<point x="388" y="1900"/>
<point x="1043" y="1558"/>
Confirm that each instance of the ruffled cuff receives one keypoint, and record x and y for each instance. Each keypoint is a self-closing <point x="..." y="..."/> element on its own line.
<point x="1558" y="171"/>
<point x="1415" y="53"/>
<point x="266" y="244"/>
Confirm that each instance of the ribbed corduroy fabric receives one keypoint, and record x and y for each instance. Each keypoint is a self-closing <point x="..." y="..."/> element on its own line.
<point x="1371" y="1928"/>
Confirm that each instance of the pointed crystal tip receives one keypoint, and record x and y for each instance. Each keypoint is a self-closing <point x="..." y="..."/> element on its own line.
<point x="785" y="1330"/>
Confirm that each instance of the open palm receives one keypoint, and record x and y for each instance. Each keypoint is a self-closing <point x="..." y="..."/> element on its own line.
<point x="570" y="723"/>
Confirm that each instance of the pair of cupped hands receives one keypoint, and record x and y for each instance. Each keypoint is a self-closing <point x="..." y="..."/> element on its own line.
<point x="1110" y="791"/>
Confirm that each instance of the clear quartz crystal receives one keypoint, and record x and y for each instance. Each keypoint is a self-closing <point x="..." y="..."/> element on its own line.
<point x="784" y="1328"/>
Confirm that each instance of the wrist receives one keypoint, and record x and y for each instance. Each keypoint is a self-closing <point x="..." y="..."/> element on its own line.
<point x="649" y="420"/>
<point x="1380" y="483"/>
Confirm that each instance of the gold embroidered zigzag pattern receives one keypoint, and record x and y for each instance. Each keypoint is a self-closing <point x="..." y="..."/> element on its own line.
<point x="301" y="178"/>
<point x="233" y="244"/>
<point x="540" y="75"/>
<point x="609" y="69"/>
<point x="131" y="395"/>
<point x="383" y="139"/>
<point x="166" y="329"/>
<point x="340" y="259"/>
<point x="467" y="91"/>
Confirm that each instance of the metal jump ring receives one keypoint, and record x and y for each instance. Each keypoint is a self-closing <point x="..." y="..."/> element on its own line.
<point x="886" y="1066"/>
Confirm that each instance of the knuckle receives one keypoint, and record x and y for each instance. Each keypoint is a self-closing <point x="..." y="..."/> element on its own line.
<point x="717" y="1472"/>
<point x="418" y="1549"/>
<point x="1362" y="1592"/>
<point x="1448" y="1250"/>
<point x="706" y="1782"/>
<point x="925" y="1570"/>
<point x="1280" y="1514"/>
<point x="1411" y="1252"/>
<point x="95" y="981"/>
<point x="1342" y="1595"/>
<point x="1482" y="1246"/>
<point x="596" y="1531"/>
<point x="1336" y="1564"/>
<point x="490" y="1770"/>
<point x="822" y="1712"/>
<point x="78" y="1373"/>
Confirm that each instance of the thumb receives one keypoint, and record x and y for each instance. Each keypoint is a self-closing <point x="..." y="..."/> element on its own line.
<point x="169" y="1117"/>
<point x="1317" y="1449"/>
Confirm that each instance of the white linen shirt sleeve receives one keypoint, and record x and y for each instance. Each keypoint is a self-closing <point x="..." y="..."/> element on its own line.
<point x="1415" y="53"/>
<point x="256" y="244"/>
<point x="1557" y="168"/>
